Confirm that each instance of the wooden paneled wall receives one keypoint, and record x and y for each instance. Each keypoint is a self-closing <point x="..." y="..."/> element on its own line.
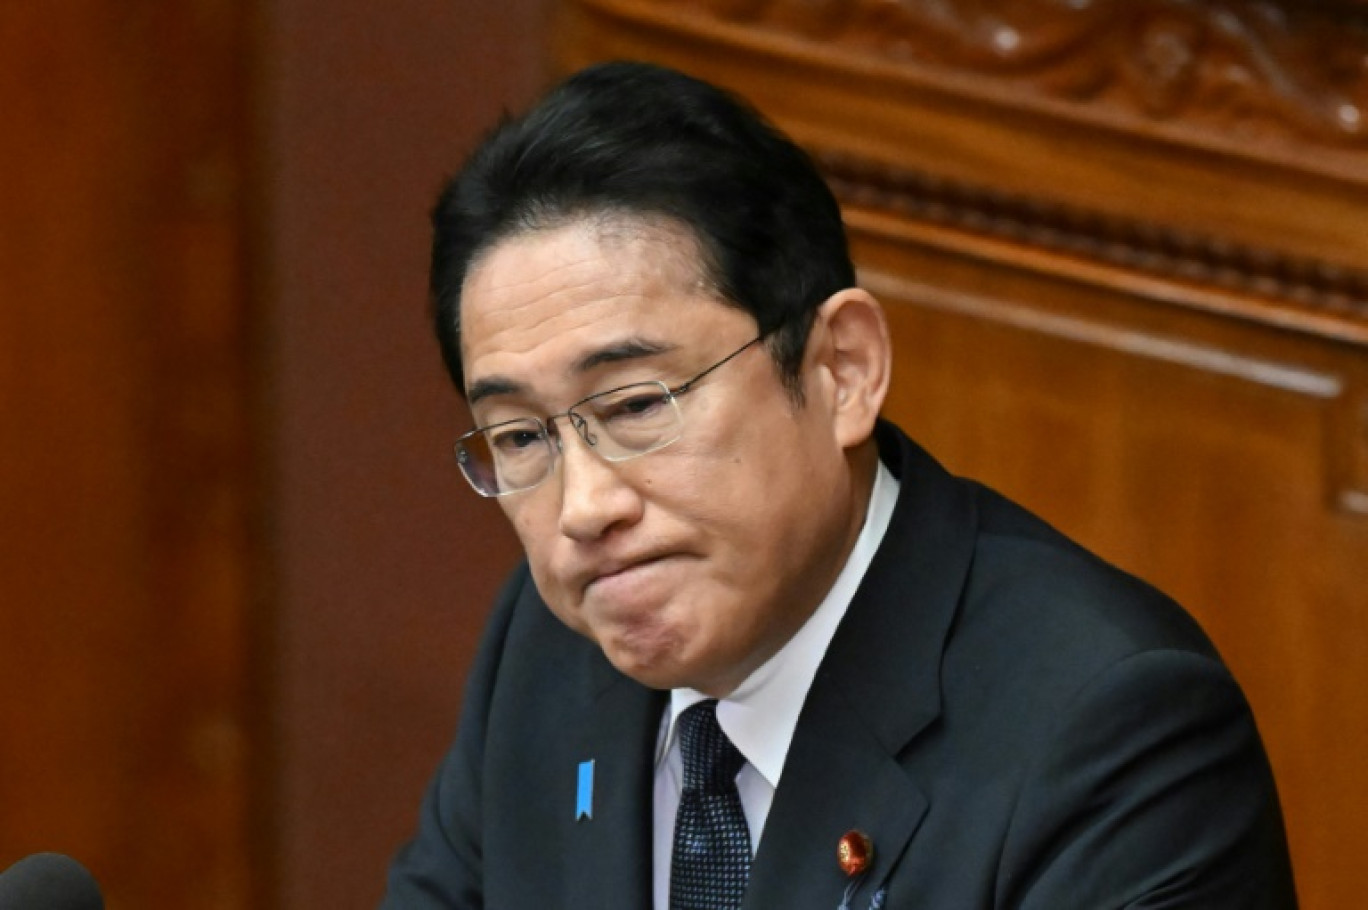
<point x="127" y="472"/>
<point x="1124" y="250"/>
<point x="240" y="576"/>
<point x="386" y="561"/>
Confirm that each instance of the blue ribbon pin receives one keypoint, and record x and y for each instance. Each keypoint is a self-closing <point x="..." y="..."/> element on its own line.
<point x="584" y="794"/>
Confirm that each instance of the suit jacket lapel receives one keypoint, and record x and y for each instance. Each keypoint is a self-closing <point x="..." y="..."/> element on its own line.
<point x="608" y="863"/>
<point x="877" y="690"/>
<point x="837" y="779"/>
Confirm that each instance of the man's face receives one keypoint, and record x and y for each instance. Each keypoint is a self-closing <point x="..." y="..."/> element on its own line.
<point x="692" y="565"/>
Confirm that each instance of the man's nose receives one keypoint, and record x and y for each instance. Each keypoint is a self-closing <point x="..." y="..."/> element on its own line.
<point x="594" y="496"/>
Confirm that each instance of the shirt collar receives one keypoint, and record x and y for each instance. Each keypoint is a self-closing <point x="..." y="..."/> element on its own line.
<point x="761" y="715"/>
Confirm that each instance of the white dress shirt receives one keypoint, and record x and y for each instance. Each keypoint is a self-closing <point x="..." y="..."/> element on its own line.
<point x="760" y="716"/>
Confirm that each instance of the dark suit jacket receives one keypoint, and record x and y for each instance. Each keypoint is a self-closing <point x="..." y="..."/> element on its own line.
<point x="1013" y="723"/>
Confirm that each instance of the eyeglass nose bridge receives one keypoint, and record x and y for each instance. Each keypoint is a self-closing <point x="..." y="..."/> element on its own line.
<point x="579" y="422"/>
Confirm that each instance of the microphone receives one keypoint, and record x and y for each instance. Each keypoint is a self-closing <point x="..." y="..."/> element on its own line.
<point x="49" y="881"/>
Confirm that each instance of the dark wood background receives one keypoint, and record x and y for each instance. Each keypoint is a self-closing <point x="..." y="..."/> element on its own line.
<point x="239" y="577"/>
<point x="1122" y="247"/>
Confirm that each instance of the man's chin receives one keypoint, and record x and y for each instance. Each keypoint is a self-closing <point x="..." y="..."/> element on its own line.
<point x="664" y="670"/>
<point x="654" y="665"/>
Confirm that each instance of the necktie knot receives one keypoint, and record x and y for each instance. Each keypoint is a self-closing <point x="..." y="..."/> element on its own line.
<point x="711" y="762"/>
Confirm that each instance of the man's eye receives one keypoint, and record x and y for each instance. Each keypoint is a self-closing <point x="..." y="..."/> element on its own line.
<point x="513" y="441"/>
<point x="635" y="406"/>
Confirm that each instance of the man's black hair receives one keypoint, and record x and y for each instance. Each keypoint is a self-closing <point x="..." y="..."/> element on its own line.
<point x="644" y="141"/>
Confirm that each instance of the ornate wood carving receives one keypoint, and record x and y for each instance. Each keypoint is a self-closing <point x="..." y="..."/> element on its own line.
<point x="1245" y="69"/>
<point x="1151" y="248"/>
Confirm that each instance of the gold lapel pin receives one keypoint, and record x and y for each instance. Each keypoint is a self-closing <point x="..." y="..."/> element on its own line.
<point x="854" y="852"/>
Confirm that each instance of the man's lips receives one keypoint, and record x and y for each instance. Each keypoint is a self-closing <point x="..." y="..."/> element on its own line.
<point x="621" y="569"/>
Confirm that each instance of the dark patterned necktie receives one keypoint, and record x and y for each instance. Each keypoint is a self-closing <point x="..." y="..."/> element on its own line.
<point x="711" y="859"/>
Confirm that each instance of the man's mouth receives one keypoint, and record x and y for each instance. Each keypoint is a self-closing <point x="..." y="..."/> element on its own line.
<point x="620" y="568"/>
<point x="626" y="579"/>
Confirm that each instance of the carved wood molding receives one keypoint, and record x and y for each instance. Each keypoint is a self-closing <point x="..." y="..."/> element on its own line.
<point x="1346" y="409"/>
<point x="1145" y="247"/>
<point x="1248" y="70"/>
<point x="1204" y="358"/>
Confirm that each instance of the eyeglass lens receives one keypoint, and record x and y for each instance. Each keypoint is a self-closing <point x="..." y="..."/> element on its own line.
<point x="618" y="424"/>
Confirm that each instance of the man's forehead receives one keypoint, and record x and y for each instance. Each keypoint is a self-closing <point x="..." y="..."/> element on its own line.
<point x="561" y="303"/>
<point x="668" y="244"/>
<point x="575" y="268"/>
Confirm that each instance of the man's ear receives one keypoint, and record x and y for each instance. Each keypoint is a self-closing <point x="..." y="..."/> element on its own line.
<point x="855" y="350"/>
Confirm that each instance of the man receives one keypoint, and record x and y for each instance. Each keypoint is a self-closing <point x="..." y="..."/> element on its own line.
<point x="916" y="693"/>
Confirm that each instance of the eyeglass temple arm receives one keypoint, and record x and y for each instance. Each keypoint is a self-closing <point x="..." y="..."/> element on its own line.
<point x="689" y="384"/>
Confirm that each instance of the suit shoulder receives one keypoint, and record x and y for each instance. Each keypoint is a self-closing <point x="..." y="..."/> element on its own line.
<point x="1028" y="575"/>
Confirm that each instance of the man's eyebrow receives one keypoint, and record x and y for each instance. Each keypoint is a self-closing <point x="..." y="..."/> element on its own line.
<point x="491" y="385"/>
<point x="629" y="349"/>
